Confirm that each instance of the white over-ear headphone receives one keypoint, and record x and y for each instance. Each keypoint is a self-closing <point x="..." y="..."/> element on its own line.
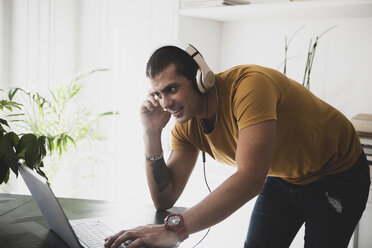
<point x="204" y="76"/>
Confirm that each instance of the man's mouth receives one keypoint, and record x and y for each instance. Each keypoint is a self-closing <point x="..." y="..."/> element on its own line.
<point x="174" y="112"/>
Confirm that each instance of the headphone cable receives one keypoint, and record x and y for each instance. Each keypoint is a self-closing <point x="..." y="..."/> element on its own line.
<point x="205" y="174"/>
<point x="204" y="170"/>
<point x="209" y="189"/>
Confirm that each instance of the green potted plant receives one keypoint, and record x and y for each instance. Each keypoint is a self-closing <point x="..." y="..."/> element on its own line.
<point x="27" y="148"/>
<point x="47" y="127"/>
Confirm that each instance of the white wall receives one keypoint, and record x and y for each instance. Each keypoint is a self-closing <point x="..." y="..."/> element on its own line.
<point x="42" y="38"/>
<point x="121" y="35"/>
<point x="4" y="44"/>
<point x="205" y="35"/>
<point x="341" y="73"/>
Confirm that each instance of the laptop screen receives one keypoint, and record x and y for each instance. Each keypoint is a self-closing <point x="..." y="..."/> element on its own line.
<point x="49" y="206"/>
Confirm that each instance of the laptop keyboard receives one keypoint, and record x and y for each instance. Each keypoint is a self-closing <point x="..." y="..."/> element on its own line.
<point x="92" y="234"/>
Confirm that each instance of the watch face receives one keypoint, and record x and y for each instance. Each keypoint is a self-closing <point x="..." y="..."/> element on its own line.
<point x="173" y="220"/>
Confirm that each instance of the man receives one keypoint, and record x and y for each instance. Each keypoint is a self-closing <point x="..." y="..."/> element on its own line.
<point x="300" y="155"/>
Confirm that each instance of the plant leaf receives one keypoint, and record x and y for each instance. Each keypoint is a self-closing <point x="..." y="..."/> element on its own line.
<point x="33" y="156"/>
<point x="29" y="146"/>
<point x="50" y="143"/>
<point x="8" y="142"/>
<point x="40" y="172"/>
<point x="12" y="92"/>
<point x="41" y="141"/>
<point x="7" y="176"/>
<point x="13" y="115"/>
<point x="4" y="171"/>
<point x="27" y="140"/>
<point x="11" y="159"/>
<point x="2" y="145"/>
<point x="12" y="138"/>
<point x="4" y="122"/>
<point x="109" y="113"/>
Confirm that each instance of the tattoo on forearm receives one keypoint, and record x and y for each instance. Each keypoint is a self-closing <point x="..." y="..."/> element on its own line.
<point x="161" y="174"/>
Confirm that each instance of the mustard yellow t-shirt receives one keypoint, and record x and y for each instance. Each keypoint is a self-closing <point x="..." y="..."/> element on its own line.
<point x="313" y="138"/>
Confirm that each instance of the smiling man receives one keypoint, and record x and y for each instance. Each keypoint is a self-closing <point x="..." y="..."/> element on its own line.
<point x="300" y="155"/>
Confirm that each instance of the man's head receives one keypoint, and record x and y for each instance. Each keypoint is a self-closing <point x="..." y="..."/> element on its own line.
<point x="179" y="76"/>
<point x="167" y="55"/>
<point x="188" y="61"/>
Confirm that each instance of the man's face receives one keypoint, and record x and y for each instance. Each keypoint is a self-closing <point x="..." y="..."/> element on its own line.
<point x="176" y="94"/>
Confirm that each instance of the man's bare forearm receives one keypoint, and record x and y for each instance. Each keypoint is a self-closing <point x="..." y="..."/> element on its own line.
<point x="221" y="203"/>
<point x="160" y="184"/>
<point x="160" y="174"/>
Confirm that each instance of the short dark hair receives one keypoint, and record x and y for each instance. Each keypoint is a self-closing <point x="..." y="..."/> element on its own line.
<point x="164" y="56"/>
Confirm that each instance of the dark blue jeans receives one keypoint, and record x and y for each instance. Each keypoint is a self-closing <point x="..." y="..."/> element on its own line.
<point x="330" y="208"/>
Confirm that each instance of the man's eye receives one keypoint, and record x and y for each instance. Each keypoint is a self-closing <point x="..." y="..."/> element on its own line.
<point x="173" y="90"/>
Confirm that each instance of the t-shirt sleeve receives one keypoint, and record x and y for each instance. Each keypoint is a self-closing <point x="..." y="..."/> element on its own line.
<point x="256" y="100"/>
<point x="179" y="140"/>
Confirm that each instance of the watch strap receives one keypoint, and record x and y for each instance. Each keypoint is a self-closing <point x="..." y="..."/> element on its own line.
<point x="179" y="229"/>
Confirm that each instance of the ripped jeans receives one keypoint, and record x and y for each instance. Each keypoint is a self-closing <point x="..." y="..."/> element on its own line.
<point x="330" y="208"/>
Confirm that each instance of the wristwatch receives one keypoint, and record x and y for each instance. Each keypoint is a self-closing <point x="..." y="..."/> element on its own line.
<point x="175" y="222"/>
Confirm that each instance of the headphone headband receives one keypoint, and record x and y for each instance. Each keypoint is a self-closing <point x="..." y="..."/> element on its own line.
<point x="204" y="76"/>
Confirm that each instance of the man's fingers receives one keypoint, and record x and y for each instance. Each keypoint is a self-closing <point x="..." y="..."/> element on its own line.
<point x="148" y="105"/>
<point x="151" y="102"/>
<point x="109" y="240"/>
<point x="128" y="235"/>
<point x="153" y="99"/>
<point x="137" y="243"/>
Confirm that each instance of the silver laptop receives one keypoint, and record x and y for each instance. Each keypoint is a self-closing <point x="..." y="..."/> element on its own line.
<point x="83" y="234"/>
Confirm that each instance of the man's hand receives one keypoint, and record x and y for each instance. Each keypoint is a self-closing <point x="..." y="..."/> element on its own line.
<point x="153" y="116"/>
<point x="149" y="236"/>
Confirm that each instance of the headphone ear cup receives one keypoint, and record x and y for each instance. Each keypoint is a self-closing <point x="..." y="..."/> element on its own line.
<point x="204" y="82"/>
<point x="209" y="80"/>
<point x="199" y="81"/>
